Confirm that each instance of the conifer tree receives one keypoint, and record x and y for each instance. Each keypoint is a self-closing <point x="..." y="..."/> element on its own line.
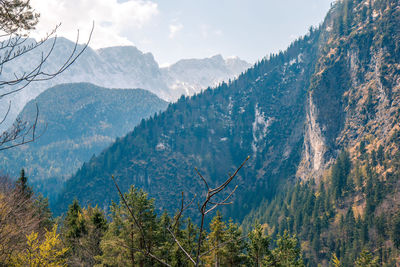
<point x="74" y="223"/>
<point x="258" y="246"/>
<point x="74" y="229"/>
<point x="235" y="247"/>
<point x="287" y="252"/>
<point x="43" y="212"/>
<point x="22" y="185"/>
<point x="128" y="239"/>
<point x="96" y="225"/>
<point x="215" y="239"/>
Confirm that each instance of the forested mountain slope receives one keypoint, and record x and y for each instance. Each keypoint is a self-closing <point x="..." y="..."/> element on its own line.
<point x="75" y="122"/>
<point x="333" y="92"/>
<point x="353" y="109"/>
<point x="260" y="114"/>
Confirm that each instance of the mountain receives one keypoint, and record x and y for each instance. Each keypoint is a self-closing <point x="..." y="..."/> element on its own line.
<point x="346" y="198"/>
<point x="189" y="76"/>
<point x="321" y="123"/>
<point x="260" y="114"/>
<point x="115" y="67"/>
<point x="76" y="121"/>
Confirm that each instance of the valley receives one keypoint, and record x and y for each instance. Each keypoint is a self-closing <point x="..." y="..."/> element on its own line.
<point x="293" y="161"/>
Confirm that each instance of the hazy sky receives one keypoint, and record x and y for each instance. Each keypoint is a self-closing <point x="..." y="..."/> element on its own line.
<point x="176" y="29"/>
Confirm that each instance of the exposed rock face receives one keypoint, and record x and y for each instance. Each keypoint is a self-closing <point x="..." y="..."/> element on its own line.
<point x="352" y="121"/>
<point x="354" y="93"/>
<point x="313" y="162"/>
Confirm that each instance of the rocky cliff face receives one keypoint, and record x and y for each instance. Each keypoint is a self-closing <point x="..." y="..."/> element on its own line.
<point x="345" y="197"/>
<point x="354" y="94"/>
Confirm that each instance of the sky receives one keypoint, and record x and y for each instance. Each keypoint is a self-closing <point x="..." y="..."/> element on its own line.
<point x="176" y="29"/>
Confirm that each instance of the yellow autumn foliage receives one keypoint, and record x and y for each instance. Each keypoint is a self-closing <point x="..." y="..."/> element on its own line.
<point x="50" y="252"/>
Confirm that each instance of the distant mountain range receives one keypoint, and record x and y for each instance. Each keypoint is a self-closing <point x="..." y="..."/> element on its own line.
<point x="118" y="67"/>
<point x="77" y="121"/>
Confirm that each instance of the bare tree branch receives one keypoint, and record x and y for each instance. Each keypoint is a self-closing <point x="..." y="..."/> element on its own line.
<point x="8" y="111"/>
<point x="182" y="209"/>
<point x="18" y="218"/>
<point x="37" y="74"/>
<point x="145" y="253"/>
<point x="210" y="194"/>
<point x="180" y="246"/>
<point x="20" y="133"/>
<point x="222" y="202"/>
<point x="204" y="180"/>
<point x="136" y="221"/>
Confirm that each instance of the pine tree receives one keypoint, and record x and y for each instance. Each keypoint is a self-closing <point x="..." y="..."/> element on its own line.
<point x="22" y="185"/>
<point x="128" y="239"/>
<point x="74" y="228"/>
<point x="235" y="247"/>
<point x="43" y="212"/>
<point x="340" y="173"/>
<point x="215" y="239"/>
<point x="96" y="224"/>
<point x="258" y="246"/>
<point x="74" y="223"/>
<point x="287" y="251"/>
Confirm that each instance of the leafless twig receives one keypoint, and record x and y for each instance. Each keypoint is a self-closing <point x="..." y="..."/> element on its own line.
<point x="211" y="192"/>
<point x="20" y="133"/>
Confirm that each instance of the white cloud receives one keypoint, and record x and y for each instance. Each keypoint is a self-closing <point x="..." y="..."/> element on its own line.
<point x="111" y="18"/>
<point x="174" y="29"/>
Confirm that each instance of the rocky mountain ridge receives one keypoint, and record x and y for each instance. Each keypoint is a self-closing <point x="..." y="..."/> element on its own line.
<point x="117" y="67"/>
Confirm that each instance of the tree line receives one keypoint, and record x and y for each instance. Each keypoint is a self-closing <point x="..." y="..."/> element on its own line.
<point x="131" y="233"/>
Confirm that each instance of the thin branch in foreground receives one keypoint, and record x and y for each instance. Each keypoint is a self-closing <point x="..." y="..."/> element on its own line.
<point x="20" y="134"/>
<point x="210" y="194"/>
<point x="182" y="209"/>
<point x="136" y="221"/>
<point x="180" y="246"/>
<point x="36" y="74"/>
